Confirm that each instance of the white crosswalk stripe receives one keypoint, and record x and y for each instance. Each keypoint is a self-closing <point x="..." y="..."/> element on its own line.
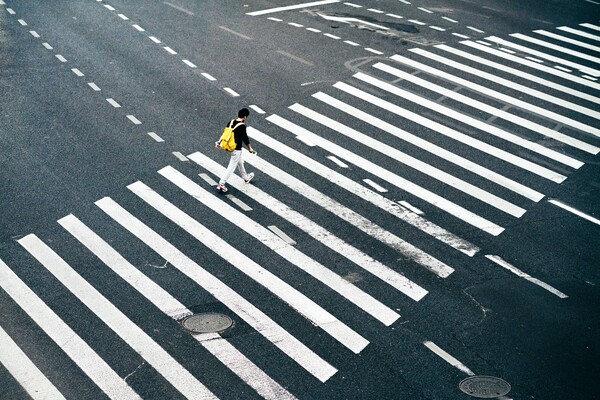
<point x="78" y="350"/>
<point x="264" y="325"/>
<point x="492" y="93"/>
<point x="335" y="243"/>
<point x="476" y="194"/>
<point x="408" y="160"/>
<point x="301" y="303"/>
<point x="139" y="340"/>
<point x="546" y="56"/>
<point x="534" y="127"/>
<point x="220" y="348"/>
<point x="24" y="370"/>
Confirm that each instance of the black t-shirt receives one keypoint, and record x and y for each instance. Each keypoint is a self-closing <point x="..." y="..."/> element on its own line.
<point x="241" y="137"/>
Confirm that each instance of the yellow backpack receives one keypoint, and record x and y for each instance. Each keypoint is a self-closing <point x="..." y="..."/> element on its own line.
<point x="227" y="141"/>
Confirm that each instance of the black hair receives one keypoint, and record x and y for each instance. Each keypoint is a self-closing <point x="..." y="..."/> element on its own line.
<point x="244" y="112"/>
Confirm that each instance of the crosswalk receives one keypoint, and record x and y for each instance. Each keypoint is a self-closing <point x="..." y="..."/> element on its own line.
<point x="475" y="134"/>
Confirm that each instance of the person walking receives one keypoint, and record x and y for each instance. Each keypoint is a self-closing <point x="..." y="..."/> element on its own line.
<point x="236" y="160"/>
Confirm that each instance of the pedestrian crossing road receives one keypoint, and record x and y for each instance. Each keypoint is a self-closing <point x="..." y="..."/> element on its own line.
<point x="370" y="198"/>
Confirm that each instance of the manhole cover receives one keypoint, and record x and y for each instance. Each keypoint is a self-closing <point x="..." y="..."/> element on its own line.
<point x="207" y="323"/>
<point x="484" y="387"/>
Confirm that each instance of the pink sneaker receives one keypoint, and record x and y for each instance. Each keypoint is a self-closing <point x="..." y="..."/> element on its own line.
<point x="250" y="176"/>
<point x="222" y="188"/>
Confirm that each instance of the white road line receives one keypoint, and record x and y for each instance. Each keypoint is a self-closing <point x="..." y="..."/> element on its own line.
<point x="448" y="358"/>
<point x="558" y="48"/>
<point x="178" y="8"/>
<point x="353" y="5"/>
<point x="425" y="10"/>
<point x="492" y="93"/>
<point x="11" y="11"/>
<point x="574" y="211"/>
<point x="336" y="244"/>
<point x="351" y="43"/>
<point x="353" y="187"/>
<point x="417" y="22"/>
<point x="591" y="26"/>
<point x="79" y="351"/>
<point x="180" y="156"/>
<point x="376" y="11"/>
<point x="545" y="56"/>
<point x="563" y="69"/>
<point x="456" y="135"/>
<point x="46" y="45"/>
<point x="235" y="33"/>
<point x="123" y="17"/>
<point x="578" y="144"/>
<point x="257" y="109"/>
<point x="410" y="207"/>
<point x="373" y="51"/>
<point x="275" y="19"/>
<point x="36" y="35"/>
<point x="170" y="50"/>
<point x="24" y="371"/>
<point x="128" y="331"/>
<point x="395" y="16"/>
<point x="134" y="120"/>
<point x="437" y="28"/>
<point x="535" y="59"/>
<point x="22" y="22"/>
<point x="113" y="103"/>
<point x="139" y="28"/>
<point x="292" y="7"/>
<point x="155" y="39"/>
<point x="249" y="372"/>
<point x="318" y="271"/>
<point x="77" y="72"/>
<point x="329" y="35"/>
<point x="535" y="93"/>
<point x="413" y="253"/>
<point x="170" y="306"/>
<point x="509" y="51"/>
<point x="460" y="35"/>
<point x="288" y="344"/>
<point x="375" y="186"/>
<point x="231" y="92"/>
<point x="571" y="41"/>
<point x="405" y="159"/>
<point x="475" y="29"/>
<point x="282" y="235"/>
<point x="295" y="58"/>
<point x="119" y="265"/>
<point x="61" y="58"/>
<point x="206" y="177"/>
<point x="294" y="24"/>
<point x="239" y="203"/>
<point x="432" y="148"/>
<point x="396" y="180"/>
<point x="526" y="276"/>
<point x="337" y="161"/>
<point x="189" y="63"/>
<point x="450" y="20"/>
<point x="155" y="137"/>
<point x="313" y="30"/>
<point x="94" y="86"/>
<point x="209" y="77"/>
<point x="471" y="121"/>
<point x="111" y="8"/>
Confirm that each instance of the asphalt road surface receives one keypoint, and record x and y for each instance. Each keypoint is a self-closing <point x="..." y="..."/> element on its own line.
<point x="425" y="207"/>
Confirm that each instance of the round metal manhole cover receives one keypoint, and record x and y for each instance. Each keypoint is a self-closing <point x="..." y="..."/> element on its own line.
<point x="484" y="387"/>
<point x="207" y="323"/>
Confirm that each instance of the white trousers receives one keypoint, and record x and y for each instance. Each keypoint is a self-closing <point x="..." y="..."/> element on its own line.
<point x="236" y="160"/>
